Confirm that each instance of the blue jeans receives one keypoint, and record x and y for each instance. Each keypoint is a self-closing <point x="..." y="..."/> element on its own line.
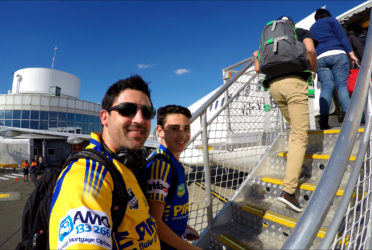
<point x="333" y="70"/>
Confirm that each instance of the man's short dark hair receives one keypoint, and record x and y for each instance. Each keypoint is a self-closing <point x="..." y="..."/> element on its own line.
<point x="321" y="13"/>
<point x="134" y="82"/>
<point x="171" y="109"/>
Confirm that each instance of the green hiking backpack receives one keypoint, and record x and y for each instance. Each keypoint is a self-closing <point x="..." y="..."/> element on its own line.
<point x="280" y="52"/>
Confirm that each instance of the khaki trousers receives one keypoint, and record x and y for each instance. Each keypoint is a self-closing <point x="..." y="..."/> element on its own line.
<point x="290" y="94"/>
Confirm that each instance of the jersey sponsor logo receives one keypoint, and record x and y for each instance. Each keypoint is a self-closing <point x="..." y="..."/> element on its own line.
<point x="157" y="186"/>
<point x="65" y="228"/>
<point x="132" y="200"/>
<point x="181" y="190"/>
<point x="144" y="236"/>
<point x="146" y="227"/>
<point x="84" y="226"/>
<point x="180" y="210"/>
<point x="91" y="218"/>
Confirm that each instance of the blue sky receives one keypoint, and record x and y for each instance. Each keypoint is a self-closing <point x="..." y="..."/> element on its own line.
<point x="180" y="47"/>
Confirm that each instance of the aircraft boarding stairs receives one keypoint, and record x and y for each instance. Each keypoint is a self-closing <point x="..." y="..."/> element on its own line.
<point x="335" y="187"/>
<point x="255" y="219"/>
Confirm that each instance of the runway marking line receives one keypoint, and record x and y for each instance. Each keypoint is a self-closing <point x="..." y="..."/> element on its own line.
<point x="10" y="176"/>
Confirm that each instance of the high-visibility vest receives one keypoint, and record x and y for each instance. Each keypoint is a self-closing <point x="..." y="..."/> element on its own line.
<point x="25" y="165"/>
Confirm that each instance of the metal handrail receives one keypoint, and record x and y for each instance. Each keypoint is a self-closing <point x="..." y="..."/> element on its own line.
<point x="238" y="64"/>
<point x="220" y="91"/>
<point x="201" y="112"/>
<point x="348" y="192"/>
<point x="221" y="109"/>
<point x="310" y="222"/>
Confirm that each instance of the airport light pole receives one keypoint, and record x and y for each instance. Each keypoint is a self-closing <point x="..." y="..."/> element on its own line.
<point x="54" y="57"/>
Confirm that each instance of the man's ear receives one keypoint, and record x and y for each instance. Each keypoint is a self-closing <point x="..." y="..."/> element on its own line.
<point x="160" y="131"/>
<point x="104" y="117"/>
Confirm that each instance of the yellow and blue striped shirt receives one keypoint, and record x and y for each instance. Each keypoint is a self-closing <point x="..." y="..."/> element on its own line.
<point x="81" y="209"/>
<point x="159" y="176"/>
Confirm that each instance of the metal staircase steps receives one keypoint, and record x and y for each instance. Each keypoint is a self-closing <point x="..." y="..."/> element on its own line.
<point x="255" y="219"/>
<point x="330" y="131"/>
<point x="240" y="234"/>
<point x="304" y="186"/>
<point x="276" y="218"/>
<point x="316" y="156"/>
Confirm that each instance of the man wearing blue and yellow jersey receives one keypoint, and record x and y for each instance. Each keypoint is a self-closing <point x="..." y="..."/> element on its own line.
<point x="171" y="213"/>
<point x="80" y="215"/>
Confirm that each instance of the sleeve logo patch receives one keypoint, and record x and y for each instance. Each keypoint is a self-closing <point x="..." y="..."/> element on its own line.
<point x="157" y="186"/>
<point x="181" y="190"/>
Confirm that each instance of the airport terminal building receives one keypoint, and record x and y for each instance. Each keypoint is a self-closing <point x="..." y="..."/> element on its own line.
<point x="45" y="99"/>
<point x="48" y="99"/>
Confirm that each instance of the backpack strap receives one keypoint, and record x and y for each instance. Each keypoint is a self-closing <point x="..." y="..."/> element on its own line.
<point x="276" y="39"/>
<point x="119" y="194"/>
<point x="174" y="180"/>
<point x="36" y="213"/>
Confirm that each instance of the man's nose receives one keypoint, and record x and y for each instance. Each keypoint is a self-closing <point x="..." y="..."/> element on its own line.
<point x="138" y="117"/>
<point x="182" y="133"/>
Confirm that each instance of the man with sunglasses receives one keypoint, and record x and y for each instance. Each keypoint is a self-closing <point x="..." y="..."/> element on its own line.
<point x="81" y="207"/>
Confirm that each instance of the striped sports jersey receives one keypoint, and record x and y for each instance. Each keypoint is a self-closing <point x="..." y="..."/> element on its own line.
<point x="158" y="176"/>
<point x="80" y="214"/>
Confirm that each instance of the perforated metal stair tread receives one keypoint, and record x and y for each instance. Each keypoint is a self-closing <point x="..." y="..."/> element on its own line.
<point x="303" y="186"/>
<point x="232" y="242"/>
<point x="257" y="219"/>
<point x="331" y="131"/>
<point x="316" y="156"/>
<point x="277" y="218"/>
<point x="234" y="235"/>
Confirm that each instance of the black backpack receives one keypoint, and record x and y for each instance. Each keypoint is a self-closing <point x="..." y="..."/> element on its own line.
<point x="280" y="52"/>
<point x="35" y="218"/>
<point x="173" y="185"/>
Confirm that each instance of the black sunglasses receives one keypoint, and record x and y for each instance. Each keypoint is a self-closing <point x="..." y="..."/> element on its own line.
<point x="129" y="109"/>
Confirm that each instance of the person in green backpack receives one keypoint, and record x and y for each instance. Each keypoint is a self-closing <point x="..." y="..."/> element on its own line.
<point x="290" y="92"/>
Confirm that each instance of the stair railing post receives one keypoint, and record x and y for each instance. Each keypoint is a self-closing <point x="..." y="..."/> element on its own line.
<point x="207" y="171"/>
<point x="311" y="114"/>
<point x="281" y="122"/>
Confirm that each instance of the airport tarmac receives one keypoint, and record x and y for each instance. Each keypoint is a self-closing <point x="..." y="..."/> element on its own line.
<point x="13" y="195"/>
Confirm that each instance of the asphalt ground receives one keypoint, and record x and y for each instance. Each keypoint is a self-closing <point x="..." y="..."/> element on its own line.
<point x="13" y="195"/>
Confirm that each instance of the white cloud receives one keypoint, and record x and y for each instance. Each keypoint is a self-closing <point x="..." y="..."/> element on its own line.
<point x="182" y="71"/>
<point x="144" y="66"/>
